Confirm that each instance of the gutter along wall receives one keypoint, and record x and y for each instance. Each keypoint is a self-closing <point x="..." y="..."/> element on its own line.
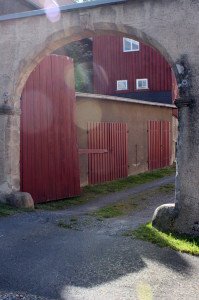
<point x="101" y="108"/>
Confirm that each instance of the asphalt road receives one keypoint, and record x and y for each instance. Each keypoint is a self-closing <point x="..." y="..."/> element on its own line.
<point x="38" y="257"/>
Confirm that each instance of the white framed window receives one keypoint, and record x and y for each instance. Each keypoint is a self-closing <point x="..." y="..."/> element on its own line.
<point x="130" y="45"/>
<point x="142" y="84"/>
<point x="122" y="85"/>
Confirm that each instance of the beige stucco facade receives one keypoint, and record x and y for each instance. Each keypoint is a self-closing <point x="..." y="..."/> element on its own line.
<point x="100" y="108"/>
<point x="171" y="27"/>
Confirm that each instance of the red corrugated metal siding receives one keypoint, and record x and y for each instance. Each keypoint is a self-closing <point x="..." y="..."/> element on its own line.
<point x="113" y="164"/>
<point x="49" y="154"/>
<point x="159" y="144"/>
<point x="112" y="64"/>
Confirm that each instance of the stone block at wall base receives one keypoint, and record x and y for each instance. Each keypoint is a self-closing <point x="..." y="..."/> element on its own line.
<point x="164" y="217"/>
<point x="19" y="199"/>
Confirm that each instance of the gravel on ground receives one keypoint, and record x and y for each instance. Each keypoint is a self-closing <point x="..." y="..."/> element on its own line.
<point x="91" y="260"/>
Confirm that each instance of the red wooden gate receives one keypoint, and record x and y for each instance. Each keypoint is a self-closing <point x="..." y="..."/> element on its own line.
<point x="112" y="163"/>
<point x="49" y="154"/>
<point x="159" y="144"/>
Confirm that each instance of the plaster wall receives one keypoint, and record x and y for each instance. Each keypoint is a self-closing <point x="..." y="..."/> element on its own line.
<point x="96" y="108"/>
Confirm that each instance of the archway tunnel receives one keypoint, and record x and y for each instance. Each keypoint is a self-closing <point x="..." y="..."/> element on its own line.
<point x="122" y="128"/>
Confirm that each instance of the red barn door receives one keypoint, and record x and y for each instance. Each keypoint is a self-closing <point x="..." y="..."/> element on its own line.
<point x="112" y="163"/>
<point x="159" y="144"/>
<point x="49" y="154"/>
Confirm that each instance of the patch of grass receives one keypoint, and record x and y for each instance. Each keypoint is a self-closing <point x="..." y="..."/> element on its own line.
<point x="143" y="198"/>
<point x="116" y="209"/>
<point x="88" y="221"/>
<point x="100" y="219"/>
<point x="8" y="210"/>
<point x="92" y="192"/>
<point x="65" y="225"/>
<point x="73" y="220"/>
<point x="108" y="212"/>
<point x="68" y="225"/>
<point x="168" y="188"/>
<point x="182" y="243"/>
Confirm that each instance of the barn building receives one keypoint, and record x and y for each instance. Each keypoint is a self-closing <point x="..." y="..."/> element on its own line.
<point x="127" y="68"/>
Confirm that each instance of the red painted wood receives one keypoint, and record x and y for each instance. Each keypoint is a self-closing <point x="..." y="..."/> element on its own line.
<point x="111" y="164"/>
<point x="49" y="154"/>
<point x="146" y="63"/>
<point x="159" y="144"/>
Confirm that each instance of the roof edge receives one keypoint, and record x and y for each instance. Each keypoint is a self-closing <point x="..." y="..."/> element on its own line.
<point x="77" y="6"/>
<point x="123" y="99"/>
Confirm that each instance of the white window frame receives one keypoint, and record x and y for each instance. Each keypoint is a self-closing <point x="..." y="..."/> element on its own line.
<point x="132" y="42"/>
<point x="143" y="87"/>
<point x="122" y="89"/>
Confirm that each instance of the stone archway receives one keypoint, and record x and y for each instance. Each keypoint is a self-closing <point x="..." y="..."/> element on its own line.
<point x="25" y="40"/>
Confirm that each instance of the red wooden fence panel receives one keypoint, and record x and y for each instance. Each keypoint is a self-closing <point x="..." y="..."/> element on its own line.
<point x="112" y="164"/>
<point x="49" y="154"/>
<point x="159" y="144"/>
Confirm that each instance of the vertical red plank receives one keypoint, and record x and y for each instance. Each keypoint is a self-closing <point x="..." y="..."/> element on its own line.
<point x="91" y="145"/>
<point x="45" y="122"/>
<point x="93" y="156"/>
<point x="126" y="156"/>
<point x="107" y="154"/>
<point x="50" y="131"/>
<point x="97" y="155"/>
<point x="89" y="156"/>
<point x="94" y="147"/>
<point x="120" y="148"/>
<point x="30" y="136"/>
<point x="118" y="159"/>
<point x="118" y="151"/>
<point x="124" y="151"/>
<point x="37" y="130"/>
<point x="113" y="150"/>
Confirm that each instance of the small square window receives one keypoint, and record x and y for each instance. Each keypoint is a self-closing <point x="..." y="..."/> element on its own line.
<point x="122" y="85"/>
<point x="130" y="45"/>
<point x="142" y="84"/>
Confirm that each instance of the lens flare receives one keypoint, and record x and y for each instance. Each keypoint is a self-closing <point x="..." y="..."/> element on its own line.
<point x="34" y="117"/>
<point x="144" y="291"/>
<point x="69" y="76"/>
<point x="86" y="111"/>
<point x="52" y="10"/>
<point x="101" y="78"/>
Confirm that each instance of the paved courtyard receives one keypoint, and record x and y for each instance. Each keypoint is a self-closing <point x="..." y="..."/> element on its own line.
<point x="94" y="261"/>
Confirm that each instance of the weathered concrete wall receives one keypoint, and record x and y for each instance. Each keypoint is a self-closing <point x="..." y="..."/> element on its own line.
<point x="96" y="108"/>
<point x="171" y="27"/>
